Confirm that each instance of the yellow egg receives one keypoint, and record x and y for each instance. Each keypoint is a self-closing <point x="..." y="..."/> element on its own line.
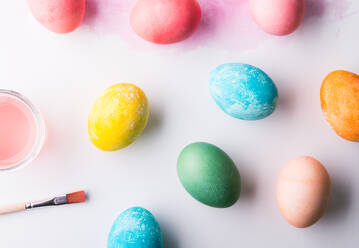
<point x="118" y="117"/>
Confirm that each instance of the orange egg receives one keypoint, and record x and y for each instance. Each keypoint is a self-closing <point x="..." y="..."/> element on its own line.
<point x="303" y="190"/>
<point x="339" y="96"/>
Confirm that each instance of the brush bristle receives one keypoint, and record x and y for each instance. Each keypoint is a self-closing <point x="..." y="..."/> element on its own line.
<point x="76" y="197"/>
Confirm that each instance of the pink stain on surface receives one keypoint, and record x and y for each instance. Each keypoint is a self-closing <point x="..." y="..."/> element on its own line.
<point x="225" y="23"/>
<point x="108" y="16"/>
<point x="331" y="9"/>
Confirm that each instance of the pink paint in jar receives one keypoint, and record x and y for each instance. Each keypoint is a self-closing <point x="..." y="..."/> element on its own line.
<point x="22" y="130"/>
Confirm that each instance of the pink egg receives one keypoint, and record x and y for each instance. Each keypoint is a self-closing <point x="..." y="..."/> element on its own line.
<point x="303" y="191"/>
<point x="278" y="17"/>
<point x="59" y="16"/>
<point x="165" y="21"/>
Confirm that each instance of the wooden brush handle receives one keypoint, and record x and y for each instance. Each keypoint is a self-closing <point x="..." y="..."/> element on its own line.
<point x="12" y="208"/>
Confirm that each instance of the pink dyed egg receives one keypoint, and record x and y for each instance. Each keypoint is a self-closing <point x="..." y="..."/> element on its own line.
<point x="278" y="17"/>
<point x="303" y="191"/>
<point x="59" y="16"/>
<point x="165" y="21"/>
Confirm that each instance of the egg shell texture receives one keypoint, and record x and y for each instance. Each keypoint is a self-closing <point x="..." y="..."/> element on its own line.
<point x="339" y="96"/>
<point x="165" y="21"/>
<point x="303" y="191"/>
<point x="135" y="228"/>
<point x="243" y="91"/>
<point x="59" y="16"/>
<point x="209" y="175"/>
<point x="278" y="17"/>
<point x="118" y="117"/>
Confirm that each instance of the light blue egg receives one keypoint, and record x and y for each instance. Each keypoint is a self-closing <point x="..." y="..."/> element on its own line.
<point x="135" y="228"/>
<point x="243" y="91"/>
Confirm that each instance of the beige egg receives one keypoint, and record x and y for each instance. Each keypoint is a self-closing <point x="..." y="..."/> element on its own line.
<point x="303" y="191"/>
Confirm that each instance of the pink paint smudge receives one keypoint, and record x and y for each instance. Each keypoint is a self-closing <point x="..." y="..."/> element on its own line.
<point x="220" y="18"/>
<point x="330" y="9"/>
<point x="108" y="16"/>
<point x="226" y="24"/>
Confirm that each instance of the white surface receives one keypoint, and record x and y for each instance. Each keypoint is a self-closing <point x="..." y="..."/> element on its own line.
<point x="63" y="75"/>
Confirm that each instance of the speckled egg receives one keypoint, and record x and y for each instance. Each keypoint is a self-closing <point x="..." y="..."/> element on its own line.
<point x="59" y="16"/>
<point x="135" y="228"/>
<point x="278" y="17"/>
<point x="243" y="91"/>
<point x="118" y="117"/>
<point x="209" y="175"/>
<point x="339" y="96"/>
<point x="303" y="191"/>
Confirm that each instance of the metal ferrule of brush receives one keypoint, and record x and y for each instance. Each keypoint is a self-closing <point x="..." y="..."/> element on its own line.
<point x="60" y="200"/>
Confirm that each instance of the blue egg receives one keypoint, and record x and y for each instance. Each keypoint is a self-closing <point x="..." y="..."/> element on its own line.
<point x="135" y="228"/>
<point x="243" y="91"/>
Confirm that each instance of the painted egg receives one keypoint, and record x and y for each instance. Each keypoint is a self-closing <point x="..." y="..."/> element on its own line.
<point x="59" y="16"/>
<point x="303" y="190"/>
<point x="243" y="91"/>
<point x="118" y="117"/>
<point x="165" y="21"/>
<point x="278" y="17"/>
<point x="135" y="228"/>
<point x="209" y="175"/>
<point x="339" y="96"/>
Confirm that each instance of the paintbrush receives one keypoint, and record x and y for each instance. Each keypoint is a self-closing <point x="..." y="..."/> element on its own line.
<point x="76" y="197"/>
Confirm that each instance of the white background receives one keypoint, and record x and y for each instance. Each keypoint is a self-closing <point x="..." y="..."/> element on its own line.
<point x="63" y="75"/>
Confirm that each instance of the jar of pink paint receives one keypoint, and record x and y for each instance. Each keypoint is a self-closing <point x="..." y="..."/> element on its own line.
<point x="22" y="131"/>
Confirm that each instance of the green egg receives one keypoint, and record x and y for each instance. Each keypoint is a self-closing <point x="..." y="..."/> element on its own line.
<point x="209" y="175"/>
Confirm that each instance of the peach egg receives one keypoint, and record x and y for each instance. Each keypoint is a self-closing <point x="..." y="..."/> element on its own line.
<point x="165" y="21"/>
<point x="278" y="17"/>
<point x="339" y="96"/>
<point x="59" y="16"/>
<point x="303" y="190"/>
